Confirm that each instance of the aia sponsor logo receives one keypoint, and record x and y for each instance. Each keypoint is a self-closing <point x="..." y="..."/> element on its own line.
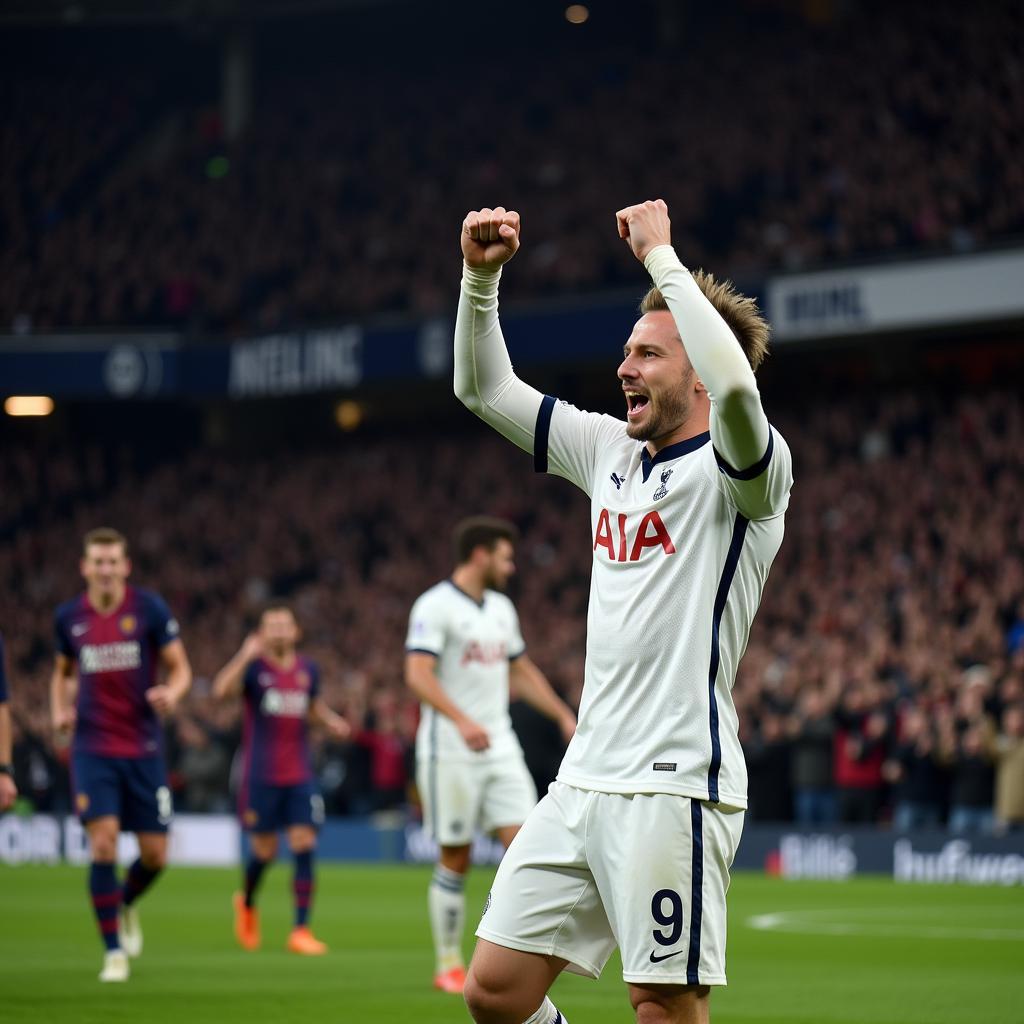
<point x="623" y="541"/>
<point x="483" y="654"/>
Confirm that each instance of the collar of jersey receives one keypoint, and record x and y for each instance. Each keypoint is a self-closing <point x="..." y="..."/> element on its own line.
<point x="672" y="451"/>
<point x="468" y="597"/>
<point x="90" y="607"/>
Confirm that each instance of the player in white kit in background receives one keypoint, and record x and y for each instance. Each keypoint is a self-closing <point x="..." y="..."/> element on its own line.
<point x="464" y="653"/>
<point x="633" y="843"/>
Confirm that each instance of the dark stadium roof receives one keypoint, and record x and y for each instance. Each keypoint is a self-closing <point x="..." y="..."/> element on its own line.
<point x="126" y="12"/>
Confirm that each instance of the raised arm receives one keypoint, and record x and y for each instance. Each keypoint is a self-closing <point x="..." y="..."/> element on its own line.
<point x="227" y="682"/>
<point x="739" y="427"/>
<point x="484" y="379"/>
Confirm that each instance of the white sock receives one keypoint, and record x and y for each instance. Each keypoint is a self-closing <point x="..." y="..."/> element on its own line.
<point x="547" y="1014"/>
<point x="447" y="904"/>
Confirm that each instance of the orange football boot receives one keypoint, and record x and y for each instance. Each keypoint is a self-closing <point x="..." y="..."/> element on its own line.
<point x="452" y="980"/>
<point x="303" y="941"/>
<point x="247" y="923"/>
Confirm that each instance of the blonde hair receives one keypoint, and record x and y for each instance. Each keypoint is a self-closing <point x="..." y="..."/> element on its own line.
<point x="104" y="535"/>
<point x="740" y="312"/>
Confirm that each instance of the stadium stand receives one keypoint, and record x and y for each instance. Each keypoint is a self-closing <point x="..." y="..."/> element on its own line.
<point x="899" y="589"/>
<point x="841" y="143"/>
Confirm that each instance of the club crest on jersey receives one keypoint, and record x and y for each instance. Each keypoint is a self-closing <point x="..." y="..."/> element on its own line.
<point x="663" y="489"/>
<point x="127" y="624"/>
<point x="265" y="679"/>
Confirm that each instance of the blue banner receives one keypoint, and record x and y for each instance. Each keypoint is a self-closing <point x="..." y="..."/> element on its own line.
<point x="333" y="359"/>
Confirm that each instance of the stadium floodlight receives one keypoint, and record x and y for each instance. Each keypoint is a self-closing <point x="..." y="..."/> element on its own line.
<point x="28" y="405"/>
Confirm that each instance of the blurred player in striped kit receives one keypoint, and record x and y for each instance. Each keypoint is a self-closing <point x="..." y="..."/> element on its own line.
<point x="115" y="639"/>
<point x="281" y="691"/>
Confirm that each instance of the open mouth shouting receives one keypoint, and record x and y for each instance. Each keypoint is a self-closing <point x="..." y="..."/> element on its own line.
<point x="636" y="402"/>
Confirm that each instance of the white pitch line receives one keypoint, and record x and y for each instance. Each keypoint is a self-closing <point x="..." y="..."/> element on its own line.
<point x="802" y="922"/>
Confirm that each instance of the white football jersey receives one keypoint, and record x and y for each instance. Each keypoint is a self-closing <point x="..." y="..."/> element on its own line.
<point x="473" y="643"/>
<point x="682" y="547"/>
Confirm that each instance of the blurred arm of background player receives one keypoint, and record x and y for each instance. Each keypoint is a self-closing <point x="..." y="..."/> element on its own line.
<point x="528" y="683"/>
<point x="228" y="681"/>
<point x="739" y="427"/>
<point x="331" y="720"/>
<point x="164" y="697"/>
<point x="422" y="680"/>
<point x="8" y="790"/>
<point x="62" y="709"/>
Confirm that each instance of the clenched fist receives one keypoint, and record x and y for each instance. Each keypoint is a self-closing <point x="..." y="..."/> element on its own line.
<point x="645" y="226"/>
<point x="490" y="237"/>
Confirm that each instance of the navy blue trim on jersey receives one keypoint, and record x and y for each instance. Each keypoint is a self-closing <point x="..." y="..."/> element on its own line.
<point x="751" y="472"/>
<point x="739" y="531"/>
<point x="446" y="884"/>
<point x="468" y="597"/>
<point x="540" y="434"/>
<point x="696" y="891"/>
<point x="421" y="650"/>
<point x="672" y="451"/>
<point x="512" y="657"/>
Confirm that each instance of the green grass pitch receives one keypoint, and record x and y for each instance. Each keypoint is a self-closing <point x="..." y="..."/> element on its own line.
<point x="799" y="953"/>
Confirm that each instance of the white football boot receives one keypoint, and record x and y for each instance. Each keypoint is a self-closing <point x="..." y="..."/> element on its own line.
<point x="115" y="966"/>
<point x="130" y="931"/>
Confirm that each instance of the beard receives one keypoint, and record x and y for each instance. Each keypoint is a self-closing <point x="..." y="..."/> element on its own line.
<point x="667" y="412"/>
<point x="494" y="581"/>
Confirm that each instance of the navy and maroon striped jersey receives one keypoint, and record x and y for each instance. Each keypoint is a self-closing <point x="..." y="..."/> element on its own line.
<point x="117" y="655"/>
<point x="275" y="736"/>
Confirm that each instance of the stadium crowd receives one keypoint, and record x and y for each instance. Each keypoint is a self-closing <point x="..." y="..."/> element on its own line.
<point x="840" y="142"/>
<point x="884" y="678"/>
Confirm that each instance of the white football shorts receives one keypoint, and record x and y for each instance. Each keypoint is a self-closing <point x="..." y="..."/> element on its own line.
<point x="460" y="797"/>
<point x="645" y="871"/>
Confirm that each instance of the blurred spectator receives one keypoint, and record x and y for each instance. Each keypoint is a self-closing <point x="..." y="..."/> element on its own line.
<point x="893" y="594"/>
<point x="811" y="728"/>
<point x="862" y="732"/>
<point x="885" y="129"/>
<point x="768" y="770"/>
<point x="389" y="748"/>
<point x="973" y="784"/>
<point x="1010" y="771"/>
<point x="203" y="767"/>
<point x="917" y="774"/>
